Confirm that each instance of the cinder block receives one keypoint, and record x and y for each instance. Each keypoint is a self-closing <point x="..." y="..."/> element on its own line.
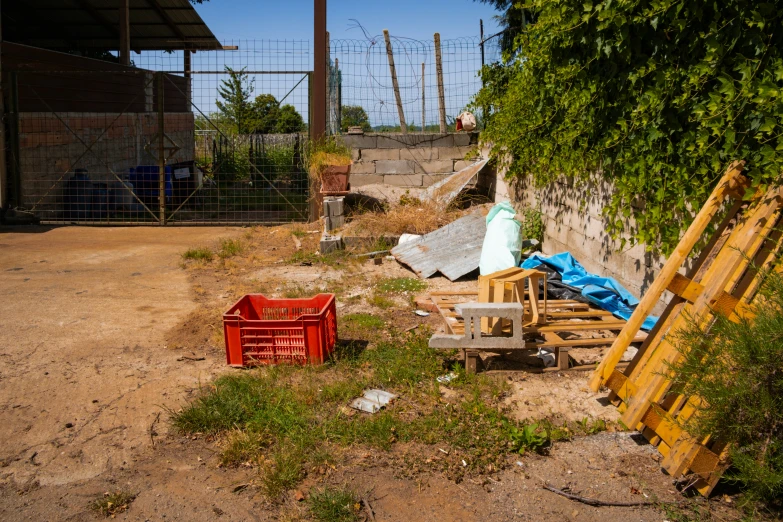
<point x="398" y="141"/>
<point x="330" y="243"/>
<point x="334" y="206"/>
<point x="455" y="153"/>
<point x="356" y="154"/>
<point x="365" y="179"/>
<point x="395" y="167"/>
<point x="334" y="222"/>
<point x="434" y="167"/>
<point x="380" y="154"/>
<point x="404" y="180"/>
<point x="362" y="167"/>
<point x="420" y="154"/>
<point x="356" y="141"/>
<point x="462" y="139"/>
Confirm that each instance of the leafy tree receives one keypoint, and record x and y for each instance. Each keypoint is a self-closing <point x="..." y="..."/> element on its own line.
<point x="289" y="121"/>
<point x="235" y="94"/>
<point x="265" y="113"/>
<point x="658" y="96"/>
<point x="354" y="116"/>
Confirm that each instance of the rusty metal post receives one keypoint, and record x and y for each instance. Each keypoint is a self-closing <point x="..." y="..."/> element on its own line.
<point x="423" y="111"/>
<point x="318" y="122"/>
<point x="124" y="12"/>
<point x="441" y="92"/>
<point x="339" y="87"/>
<point x="395" y="84"/>
<point x="186" y="62"/>
<point x="161" y="149"/>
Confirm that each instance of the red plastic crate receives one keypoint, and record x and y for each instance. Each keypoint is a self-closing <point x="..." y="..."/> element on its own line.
<point x="260" y="330"/>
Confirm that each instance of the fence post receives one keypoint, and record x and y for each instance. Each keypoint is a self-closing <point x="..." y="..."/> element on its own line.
<point x="441" y="93"/>
<point x="395" y="85"/>
<point x="318" y="96"/>
<point x="423" y="112"/>
<point x="481" y="43"/>
<point x="161" y="150"/>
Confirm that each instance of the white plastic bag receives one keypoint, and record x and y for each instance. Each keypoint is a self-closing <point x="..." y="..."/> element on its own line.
<point x="502" y="245"/>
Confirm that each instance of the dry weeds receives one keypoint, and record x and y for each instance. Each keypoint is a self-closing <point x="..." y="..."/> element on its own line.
<point x="413" y="217"/>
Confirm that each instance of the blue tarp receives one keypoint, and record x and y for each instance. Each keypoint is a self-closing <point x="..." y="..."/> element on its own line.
<point x="602" y="291"/>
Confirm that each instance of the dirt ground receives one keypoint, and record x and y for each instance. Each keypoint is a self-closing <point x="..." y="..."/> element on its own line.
<point x="106" y="330"/>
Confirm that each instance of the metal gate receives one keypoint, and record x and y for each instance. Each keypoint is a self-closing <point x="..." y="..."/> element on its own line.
<point x="228" y="134"/>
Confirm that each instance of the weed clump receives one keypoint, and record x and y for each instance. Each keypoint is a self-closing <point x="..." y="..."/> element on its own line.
<point x="334" y="505"/>
<point x="398" y="285"/>
<point x="198" y="254"/>
<point x="230" y="248"/>
<point x="112" y="503"/>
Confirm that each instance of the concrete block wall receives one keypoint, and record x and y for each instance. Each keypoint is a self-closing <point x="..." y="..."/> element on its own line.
<point x="408" y="160"/>
<point x="49" y="151"/>
<point x="574" y="222"/>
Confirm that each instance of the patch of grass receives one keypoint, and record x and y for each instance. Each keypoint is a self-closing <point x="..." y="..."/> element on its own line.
<point x="112" y="503"/>
<point x="198" y="254"/>
<point x="398" y="285"/>
<point x="230" y="248"/>
<point x="296" y="292"/>
<point x="292" y="417"/>
<point x="590" y="426"/>
<point x="334" y="259"/>
<point x="299" y="232"/>
<point x="334" y="505"/>
<point x="381" y="302"/>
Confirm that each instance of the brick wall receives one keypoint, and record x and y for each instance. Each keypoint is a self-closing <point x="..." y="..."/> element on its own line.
<point x="408" y="160"/>
<point x="50" y="147"/>
<point x="574" y="220"/>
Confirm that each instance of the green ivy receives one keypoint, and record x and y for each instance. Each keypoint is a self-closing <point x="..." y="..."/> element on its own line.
<point x="656" y="96"/>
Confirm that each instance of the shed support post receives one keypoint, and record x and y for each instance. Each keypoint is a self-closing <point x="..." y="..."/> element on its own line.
<point x="318" y="122"/>
<point x="124" y="8"/>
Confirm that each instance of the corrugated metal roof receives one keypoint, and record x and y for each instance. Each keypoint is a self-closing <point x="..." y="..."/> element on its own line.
<point x="94" y="25"/>
<point x="453" y="250"/>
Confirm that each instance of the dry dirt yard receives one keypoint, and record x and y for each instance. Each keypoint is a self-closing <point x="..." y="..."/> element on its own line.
<point x="108" y="331"/>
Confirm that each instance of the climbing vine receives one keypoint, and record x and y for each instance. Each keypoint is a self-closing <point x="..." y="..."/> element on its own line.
<point x="656" y="96"/>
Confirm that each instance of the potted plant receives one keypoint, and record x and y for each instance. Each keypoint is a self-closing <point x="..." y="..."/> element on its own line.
<point x="330" y="166"/>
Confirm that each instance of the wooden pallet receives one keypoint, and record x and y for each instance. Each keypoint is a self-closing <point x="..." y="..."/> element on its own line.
<point x="547" y="319"/>
<point x="720" y="279"/>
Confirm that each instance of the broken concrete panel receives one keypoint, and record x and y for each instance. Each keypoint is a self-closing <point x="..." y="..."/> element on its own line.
<point x="367" y="141"/>
<point x="380" y="154"/>
<point x="431" y="179"/>
<point x="362" y="167"/>
<point x="395" y="167"/>
<point x="434" y="167"/>
<point x="365" y="179"/>
<point x="404" y="180"/>
<point x="420" y="154"/>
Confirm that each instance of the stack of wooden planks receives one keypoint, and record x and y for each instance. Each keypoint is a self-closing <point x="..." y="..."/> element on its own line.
<point x="724" y="278"/>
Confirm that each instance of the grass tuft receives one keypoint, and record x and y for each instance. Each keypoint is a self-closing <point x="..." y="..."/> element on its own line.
<point x="230" y="248"/>
<point x="398" y="285"/>
<point x="198" y="254"/>
<point x="112" y="503"/>
<point x="334" y="505"/>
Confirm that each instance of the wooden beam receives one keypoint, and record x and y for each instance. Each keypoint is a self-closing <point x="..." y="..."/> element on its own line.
<point x="100" y="17"/>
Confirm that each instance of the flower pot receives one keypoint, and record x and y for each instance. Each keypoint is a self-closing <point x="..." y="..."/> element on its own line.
<point x="335" y="178"/>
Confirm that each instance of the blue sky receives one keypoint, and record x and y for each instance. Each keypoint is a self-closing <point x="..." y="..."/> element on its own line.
<point x="293" y="19"/>
<point x="277" y="35"/>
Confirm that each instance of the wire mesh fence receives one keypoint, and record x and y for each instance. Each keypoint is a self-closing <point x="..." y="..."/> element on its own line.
<point x="366" y="94"/>
<point x="226" y="127"/>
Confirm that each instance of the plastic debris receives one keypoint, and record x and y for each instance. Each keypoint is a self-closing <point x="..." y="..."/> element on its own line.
<point x="372" y="401"/>
<point x="421" y="313"/>
<point x="502" y="247"/>
<point x="445" y="379"/>
<point x="547" y="356"/>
